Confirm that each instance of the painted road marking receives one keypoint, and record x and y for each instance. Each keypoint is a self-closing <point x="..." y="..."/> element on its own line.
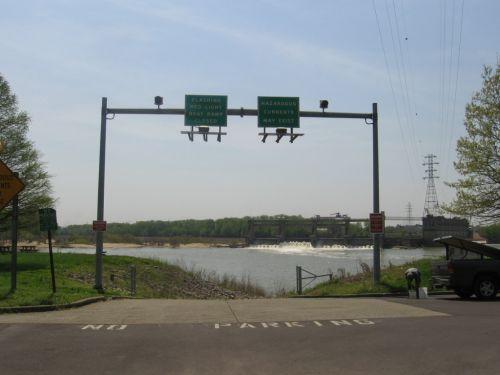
<point x="107" y="327"/>
<point x="335" y="323"/>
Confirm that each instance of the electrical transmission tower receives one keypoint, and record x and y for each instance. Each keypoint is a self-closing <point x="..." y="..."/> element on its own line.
<point x="408" y="212"/>
<point x="431" y="206"/>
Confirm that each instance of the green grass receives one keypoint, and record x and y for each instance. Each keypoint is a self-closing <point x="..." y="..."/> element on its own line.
<point x="75" y="280"/>
<point x="392" y="280"/>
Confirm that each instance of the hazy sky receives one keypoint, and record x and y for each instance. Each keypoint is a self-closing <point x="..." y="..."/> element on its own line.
<point x="61" y="57"/>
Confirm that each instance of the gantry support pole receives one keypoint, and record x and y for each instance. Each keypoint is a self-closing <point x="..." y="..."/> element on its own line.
<point x="376" y="195"/>
<point x="100" y="199"/>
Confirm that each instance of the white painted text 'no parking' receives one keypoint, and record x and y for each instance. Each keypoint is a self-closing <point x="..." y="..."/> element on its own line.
<point x="343" y="322"/>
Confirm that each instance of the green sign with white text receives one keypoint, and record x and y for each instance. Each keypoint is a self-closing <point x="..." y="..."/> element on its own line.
<point x="278" y="112"/>
<point x="48" y="219"/>
<point x="205" y="110"/>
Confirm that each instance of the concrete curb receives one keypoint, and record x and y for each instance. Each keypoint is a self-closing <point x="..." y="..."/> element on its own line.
<point x="369" y="295"/>
<point x="40" y="308"/>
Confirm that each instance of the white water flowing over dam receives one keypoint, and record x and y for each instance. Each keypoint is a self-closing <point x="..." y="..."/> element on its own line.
<point x="294" y="247"/>
<point x="272" y="266"/>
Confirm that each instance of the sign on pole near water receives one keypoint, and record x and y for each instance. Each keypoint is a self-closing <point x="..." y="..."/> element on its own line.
<point x="10" y="185"/>
<point x="99" y="226"/>
<point x="205" y="110"/>
<point x="377" y="223"/>
<point x="278" y="112"/>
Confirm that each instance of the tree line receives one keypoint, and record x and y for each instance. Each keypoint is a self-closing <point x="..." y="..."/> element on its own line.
<point x="141" y="231"/>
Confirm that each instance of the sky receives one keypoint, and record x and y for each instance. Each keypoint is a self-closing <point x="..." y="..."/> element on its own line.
<point x="421" y="61"/>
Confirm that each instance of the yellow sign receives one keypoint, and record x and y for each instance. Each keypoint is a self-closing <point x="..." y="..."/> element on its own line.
<point x="10" y="185"/>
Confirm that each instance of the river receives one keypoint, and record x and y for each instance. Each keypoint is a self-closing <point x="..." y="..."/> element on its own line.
<point x="272" y="266"/>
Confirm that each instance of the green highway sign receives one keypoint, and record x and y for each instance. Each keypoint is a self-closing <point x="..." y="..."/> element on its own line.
<point x="278" y="112"/>
<point x="48" y="219"/>
<point x="205" y="110"/>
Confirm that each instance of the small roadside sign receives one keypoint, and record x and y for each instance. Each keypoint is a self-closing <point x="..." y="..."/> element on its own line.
<point x="377" y="223"/>
<point x="278" y="112"/>
<point x="99" y="226"/>
<point x="48" y="219"/>
<point x="205" y="110"/>
<point x="10" y="185"/>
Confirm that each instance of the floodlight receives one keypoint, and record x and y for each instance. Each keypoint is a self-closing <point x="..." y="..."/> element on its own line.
<point x="323" y="104"/>
<point x="280" y="133"/>
<point x="158" y="101"/>
<point x="204" y="131"/>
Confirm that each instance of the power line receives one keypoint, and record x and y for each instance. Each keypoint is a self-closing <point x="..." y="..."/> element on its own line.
<point x="408" y="99"/>
<point x="448" y="106"/>
<point x="456" y="81"/>
<point x="400" y="79"/>
<point x="442" y="75"/>
<point x="392" y="90"/>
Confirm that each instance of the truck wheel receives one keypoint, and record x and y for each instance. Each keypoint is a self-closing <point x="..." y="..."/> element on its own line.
<point x="485" y="287"/>
<point x="463" y="293"/>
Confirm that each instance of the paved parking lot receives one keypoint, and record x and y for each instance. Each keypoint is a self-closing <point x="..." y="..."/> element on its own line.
<point x="313" y="336"/>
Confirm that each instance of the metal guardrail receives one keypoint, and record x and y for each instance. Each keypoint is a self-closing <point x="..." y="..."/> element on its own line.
<point x="131" y="276"/>
<point x="311" y="277"/>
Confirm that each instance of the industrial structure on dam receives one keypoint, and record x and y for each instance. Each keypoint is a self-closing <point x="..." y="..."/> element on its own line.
<point x="337" y="229"/>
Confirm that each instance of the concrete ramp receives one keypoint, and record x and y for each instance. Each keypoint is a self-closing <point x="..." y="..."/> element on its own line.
<point x="165" y="311"/>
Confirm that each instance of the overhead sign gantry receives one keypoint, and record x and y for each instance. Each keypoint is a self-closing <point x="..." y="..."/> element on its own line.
<point x="203" y="112"/>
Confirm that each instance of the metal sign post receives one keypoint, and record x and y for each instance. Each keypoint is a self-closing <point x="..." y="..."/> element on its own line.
<point x="13" y="249"/>
<point x="204" y="130"/>
<point x="48" y="223"/>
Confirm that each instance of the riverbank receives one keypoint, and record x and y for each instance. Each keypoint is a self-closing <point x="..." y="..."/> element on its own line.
<point x="130" y="245"/>
<point x="75" y="280"/>
<point x="392" y="280"/>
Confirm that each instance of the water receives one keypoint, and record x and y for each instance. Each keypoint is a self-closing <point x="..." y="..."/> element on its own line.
<point x="272" y="266"/>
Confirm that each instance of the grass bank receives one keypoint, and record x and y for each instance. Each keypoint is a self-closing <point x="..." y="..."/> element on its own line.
<point x="75" y="280"/>
<point x="392" y="280"/>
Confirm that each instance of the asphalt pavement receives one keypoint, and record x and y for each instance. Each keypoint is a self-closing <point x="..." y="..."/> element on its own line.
<point x="295" y="336"/>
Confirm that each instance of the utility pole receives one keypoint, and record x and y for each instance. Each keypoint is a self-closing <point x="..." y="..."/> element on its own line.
<point x="431" y="206"/>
